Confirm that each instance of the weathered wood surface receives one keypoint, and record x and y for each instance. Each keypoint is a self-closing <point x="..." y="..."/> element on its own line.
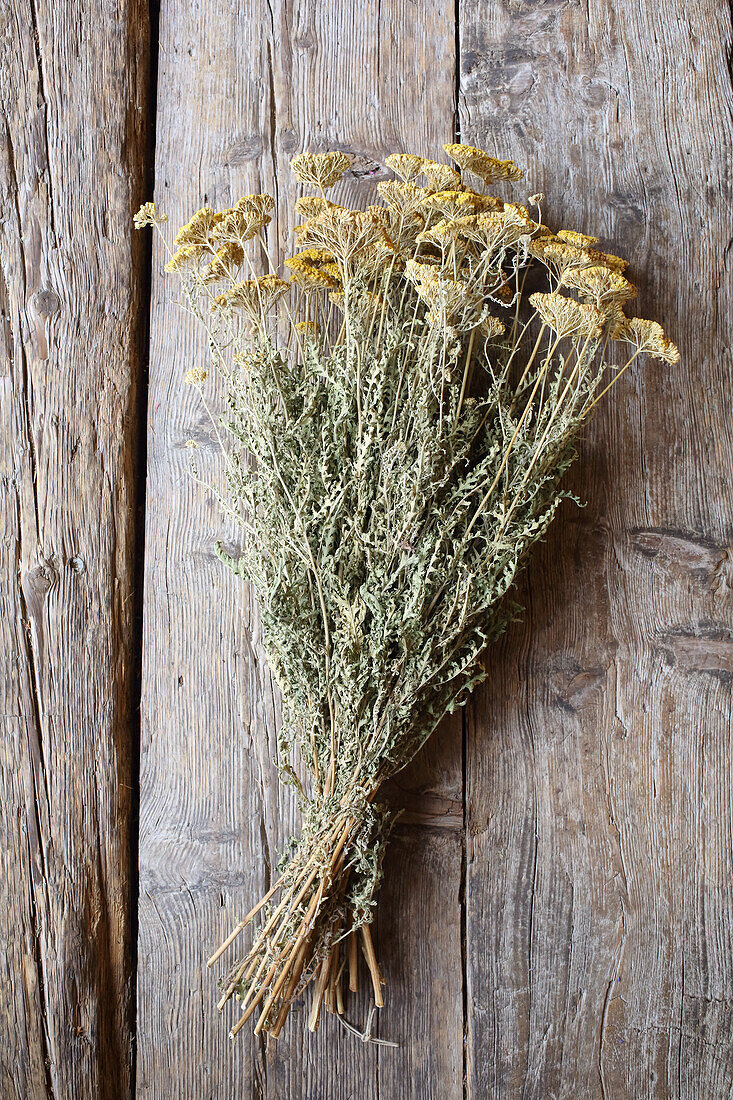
<point x="71" y="172"/>
<point x="575" y="938"/>
<point x="599" y="909"/>
<point x="239" y="92"/>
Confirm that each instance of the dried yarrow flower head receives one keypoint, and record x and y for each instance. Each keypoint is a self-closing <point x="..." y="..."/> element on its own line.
<point x="148" y="215"/>
<point x="321" y="170"/>
<point x="566" y="317"/>
<point x="401" y="411"/>
<point x="599" y="284"/>
<point x="487" y="168"/>
<point x="196" y="376"/>
<point x="405" y="166"/>
<point x="649" y="337"/>
<point x="440" y="177"/>
<point x="255" y="297"/>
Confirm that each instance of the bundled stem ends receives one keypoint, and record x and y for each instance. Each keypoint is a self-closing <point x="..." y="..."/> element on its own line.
<point x="399" y="415"/>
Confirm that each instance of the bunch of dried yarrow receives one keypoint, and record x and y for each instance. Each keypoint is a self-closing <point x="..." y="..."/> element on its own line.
<point x="400" y="410"/>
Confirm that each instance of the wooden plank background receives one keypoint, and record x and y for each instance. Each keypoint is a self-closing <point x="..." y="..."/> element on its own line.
<point x="73" y="92"/>
<point x="557" y="914"/>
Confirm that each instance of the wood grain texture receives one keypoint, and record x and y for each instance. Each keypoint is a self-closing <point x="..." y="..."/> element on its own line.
<point x="576" y="940"/>
<point x="599" y="910"/>
<point x="206" y="698"/>
<point x="268" y="83"/>
<point x="71" y="162"/>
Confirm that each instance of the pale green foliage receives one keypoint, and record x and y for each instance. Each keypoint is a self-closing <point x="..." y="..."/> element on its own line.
<point x="377" y="520"/>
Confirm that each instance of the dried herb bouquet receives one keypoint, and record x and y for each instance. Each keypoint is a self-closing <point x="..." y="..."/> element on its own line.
<point x="400" y="411"/>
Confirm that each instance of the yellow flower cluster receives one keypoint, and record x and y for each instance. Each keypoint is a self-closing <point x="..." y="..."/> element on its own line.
<point x="649" y="337"/>
<point x="599" y="284"/>
<point x="480" y="164"/>
<point x="195" y="377"/>
<point x="148" y="215"/>
<point x="456" y="248"/>
<point x="566" y="317"/>
<point x="452" y="302"/>
<point x="348" y="235"/>
<point x="212" y="243"/>
<point x="405" y="166"/>
<point x="309" y="273"/>
<point x="309" y="330"/>
<point x="321" y="170"/>
<point x="256" y="297"/>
